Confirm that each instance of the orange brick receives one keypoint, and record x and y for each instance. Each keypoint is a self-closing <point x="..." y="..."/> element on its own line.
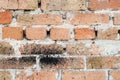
<point x="89" y="18"/>
<point x="115" y="74"/>
<point x="36" y="33"/>
<point x="12" y="33"/>
<point x="103" y="62"/>
<point x="104" y="4"/>
<point x="111" y="33"/>
<point x="5" y="17"/>
<point x="60" y="34"/>
<point x="47" y="19"/>
<point x="84" y="33"/>
<point x="117" y="19"/>
<point x="37" y="75"/>
<point x="84" y="75"/>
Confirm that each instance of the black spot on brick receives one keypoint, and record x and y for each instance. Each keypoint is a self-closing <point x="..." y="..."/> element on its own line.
<point x="51" y="60"/>
<point x="41" y="49"/>
<point x="29" y="59"/>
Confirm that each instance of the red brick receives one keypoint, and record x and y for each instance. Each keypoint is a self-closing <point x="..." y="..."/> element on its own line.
<point x="12" y="33"/>
<point x="17" y="63"/>
<point x="117" y="19"/>
<point x="5" y="75"/>
<point x="60" y="34"/>
<point x="84" y="75"/>
<point x="47" y="19"/>
<point x="5" y="17"/>
<point x="37" y="75"/>
<point x="104" y="4"/>
<point x="63" y="4"/>
<point x="36" y="33"/>
<point x="89" y="18"/>
<point x="61" y="63"/>
<point x="111" y="33"/>
<point x="103" y="62"/>
<point x="84" y="33"/>
<point x="114" y="74"/>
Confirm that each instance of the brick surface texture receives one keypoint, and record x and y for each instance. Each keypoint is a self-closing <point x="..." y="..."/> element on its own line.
<point x="59" y="39"/>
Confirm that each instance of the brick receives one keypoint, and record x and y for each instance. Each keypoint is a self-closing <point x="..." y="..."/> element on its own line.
<point x="3" y="4"/>
<point x="80" y="18"/>
<point x="12" y="33"/>
<point x="36" y="33"/>
<point x="5" y="17"/>
<point x="47" y="19"/>
<point x="114" y="74"/>
<point x="104" y="4"/>
<point x="13" y="4"/>
<point x="84" y="33"/>
<point x="45" y="49"/>
<point x="6" y="48"/>
<point x="84" y="75"/>
<point x="78" y="49"/>
<point x="17" y="63"/>
<point x="116" y="19"/>
<point x="60" y="34"/>
<point x="63" y="5"/>
<point x="103" y="62"/>
<point x="61" y="63"/>
<point x="37" y="75"/>
<point x="5" y="75"/>
<point x="28" y="4"/>
<point x="39" y="19"/>
<point x="111" y="33"/>
<point x="25" y="19"/>
<point x="19" y="4"/>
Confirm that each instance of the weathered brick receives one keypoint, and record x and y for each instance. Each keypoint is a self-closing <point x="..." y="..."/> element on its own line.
<point x="6" y="48"/>
<point x="41" y="49"/>
<point x="116" y="19"/>
<point x="61" y="63"/>
<point x="17" y="63"/>
<point x="63" y="4"/>
<point x="28" y="4"/>
<point x="5" y="17"/>
<point x="104" y="4"/>
<point x="114" y="74"/>
<point x="25" y="19"/>
<point x="84" y="33"/>
<point x="3" y="4"/>
<point x="39" y="19"/>
<point x="19" y="4"/>
<point x="60" y="34"/>
<point x="37" y="75"/>
<point x="36" y="33"/>
<point x="89" y="18"/>
<point x="111" y="33"/>
<point x="103" y="62"/>
<point x="12" y="33"/>
<point x="47" y="19"/>
<point x="5" y="75"/>
<point x="84" y="75"/>
<point x="78" y="49"/>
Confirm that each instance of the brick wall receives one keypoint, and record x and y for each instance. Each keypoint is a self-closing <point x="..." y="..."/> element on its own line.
<point x="59" y="39"/>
